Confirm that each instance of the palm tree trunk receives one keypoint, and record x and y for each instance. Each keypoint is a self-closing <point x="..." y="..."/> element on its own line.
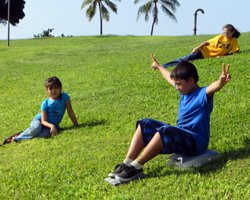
<point x="152" y="28"/>
<point x="155" y="11"/>
<point x="100" y="18"/>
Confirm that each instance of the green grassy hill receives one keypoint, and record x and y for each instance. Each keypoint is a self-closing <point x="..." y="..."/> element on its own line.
<point x="111" y="85"/>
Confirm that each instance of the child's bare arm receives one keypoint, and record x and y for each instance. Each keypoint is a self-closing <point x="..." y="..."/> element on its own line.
<point x="44" y="121"/>
<point x="71" y="113"/>
<point x="200" y="46"/>
<point x="165" y="73"/>
<point x="223" y="80"/>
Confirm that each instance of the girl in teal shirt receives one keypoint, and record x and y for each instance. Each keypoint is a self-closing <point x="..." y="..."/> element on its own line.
<point x="46" y="123"/>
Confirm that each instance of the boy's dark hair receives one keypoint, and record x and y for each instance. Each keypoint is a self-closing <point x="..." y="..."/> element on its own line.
<point x="53" y="81"/>
<point x="236" y="33"/>
<point x="185" y="70"/>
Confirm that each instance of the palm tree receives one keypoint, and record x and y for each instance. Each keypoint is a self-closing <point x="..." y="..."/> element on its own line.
<point x="168" y="7"/>
<point x="103" y="11"/>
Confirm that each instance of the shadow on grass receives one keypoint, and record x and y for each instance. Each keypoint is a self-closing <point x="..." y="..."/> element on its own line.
<point x="86" y="124"/>
<point x="211" y="167"/>
<point x="233" y="154"/>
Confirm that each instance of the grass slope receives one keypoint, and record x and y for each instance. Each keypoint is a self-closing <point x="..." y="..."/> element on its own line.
<point x="111" y="85"/>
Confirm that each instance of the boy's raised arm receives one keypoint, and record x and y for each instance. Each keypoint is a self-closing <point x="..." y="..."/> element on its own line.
<point x="223" y="80"/>
<point x="164" y="72"/>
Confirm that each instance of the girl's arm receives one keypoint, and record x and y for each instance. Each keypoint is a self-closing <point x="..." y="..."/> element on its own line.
<point x="164" y="72"/>
<point x="223" y="80"/>
<point x="71" y="113"/>
<point x="44" y="121"/>
<point x="200" y="46"/>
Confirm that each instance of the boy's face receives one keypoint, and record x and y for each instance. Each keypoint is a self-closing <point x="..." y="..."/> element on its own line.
<point x="54" y="91"/>
<point x="185" y="87"/>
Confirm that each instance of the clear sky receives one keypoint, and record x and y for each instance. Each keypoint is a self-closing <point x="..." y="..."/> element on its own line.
<point x="66" y="16"/>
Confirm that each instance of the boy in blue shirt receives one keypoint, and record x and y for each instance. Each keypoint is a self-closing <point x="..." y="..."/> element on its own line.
<point x="191" y="135"/>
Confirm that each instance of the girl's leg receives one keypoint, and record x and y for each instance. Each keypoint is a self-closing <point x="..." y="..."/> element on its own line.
<point x="189" y="57"/>
<point x="34" y="129"/>
<point x="45" y="133"/>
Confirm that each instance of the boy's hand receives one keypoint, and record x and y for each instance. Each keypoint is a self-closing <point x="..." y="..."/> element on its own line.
<point x="164" y="72"/>
<point x="225" y="76"/>
<point x="155" y="64"/>
<point x="223" y="79"/>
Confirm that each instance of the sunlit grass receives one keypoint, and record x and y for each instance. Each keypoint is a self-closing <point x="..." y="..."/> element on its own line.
<point x="111" y="85"/>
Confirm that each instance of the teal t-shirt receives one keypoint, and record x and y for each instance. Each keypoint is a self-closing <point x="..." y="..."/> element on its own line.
<point x="55" y="109"/>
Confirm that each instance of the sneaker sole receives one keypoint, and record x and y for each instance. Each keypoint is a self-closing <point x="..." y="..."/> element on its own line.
<point x="137" y="176"/>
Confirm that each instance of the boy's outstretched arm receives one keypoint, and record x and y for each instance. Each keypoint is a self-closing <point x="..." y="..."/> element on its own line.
<point x="223" y="80"/>
<point x="164" y="72"/>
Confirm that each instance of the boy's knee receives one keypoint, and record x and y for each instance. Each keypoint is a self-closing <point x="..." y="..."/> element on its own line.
<point x="142" y="122"/>
<point x="165" y="129"/>
<point x="146" y="121"/>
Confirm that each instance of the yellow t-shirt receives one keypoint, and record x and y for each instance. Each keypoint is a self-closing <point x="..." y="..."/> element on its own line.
<point x="220" y="46"/>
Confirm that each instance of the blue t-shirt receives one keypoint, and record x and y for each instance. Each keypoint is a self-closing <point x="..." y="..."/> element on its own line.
<point x="194" y="116"/>
<point x="55" y="109"/>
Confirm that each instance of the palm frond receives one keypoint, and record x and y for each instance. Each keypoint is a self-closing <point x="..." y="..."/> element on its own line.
<point x="168" y="13"/>
<point x="85" y="3"/>
<point x="136" y="1"/>
<point x="111" y="5"/>
<point x="90" y="12"/>
<point x="176" y="2"/>
<point x="105" y="13"/>
<point x="145" y="9"/>
<point x="171" y="4"/>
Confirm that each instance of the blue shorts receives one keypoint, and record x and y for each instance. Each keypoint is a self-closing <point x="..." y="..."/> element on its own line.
<point x="174" y="139"/>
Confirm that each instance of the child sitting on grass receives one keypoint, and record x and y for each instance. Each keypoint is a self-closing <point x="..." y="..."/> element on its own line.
<point x="46" y="123"/>
<point x="191" y="135"/>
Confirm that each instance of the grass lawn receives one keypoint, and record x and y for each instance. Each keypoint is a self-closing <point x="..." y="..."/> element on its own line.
<point x="111" y="85"/>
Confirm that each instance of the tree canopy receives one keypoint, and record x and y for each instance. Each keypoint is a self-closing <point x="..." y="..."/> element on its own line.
<point x="151" y="7"/>
<point x="103" y="6"/>
<point x="16" y="11"/>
